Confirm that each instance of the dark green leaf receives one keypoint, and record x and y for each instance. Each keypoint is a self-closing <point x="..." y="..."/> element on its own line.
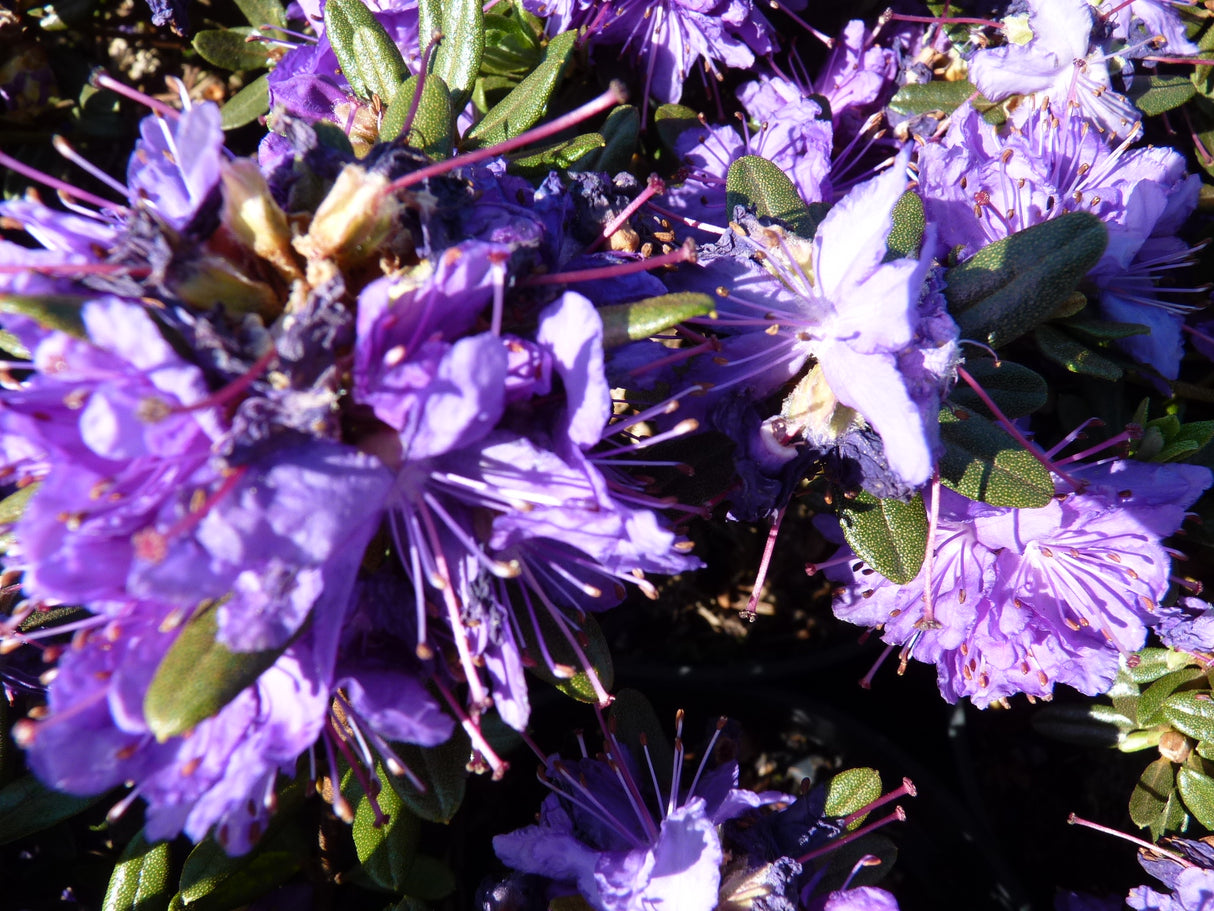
<point x="1099" y="330"/>
<point x="1155" y="94"/>
<point x="386" y="852"/>
<point x="1150" y="703"/>
<point x="199" y="676"/>
<point x="457" y="59"/>
<point x="571" y="675"/>
<point x="1008" y="287"/>
<point x="1082" y="724"/>
<point x="246" y="105"/>
<point x="762" y="187"/>
<point x="559" y="157"/>
<point x="141" y="880"/>
<point x="366" y="53"/>
<point x="442" y="770"/>
<point x="888" y="535"/>
<point x="263" y="12"/>
<point x="28" y="806"/>
<point x="671" y="120"/>
<point x="633" y="719"/>
<point x="621" y="132"/>
<point x="432" y="128"/>
<point x="227" y="48"/>
<point x="1015" y="389"/>
<point x="851" y="791"/>
<point x="1149" y="802"/>
<point x="213" y="880"/>
<point x="528" y="101"/>
<point x="512" y="46"/>
<point x="909" y="224"/>
<point x="981" y="461"/>
<point x="57" y="311"/>
<point x="1191" y="713"/>
<point x="920" y="98"/>
<point x="1197" y="791"/>
<point x="1074" y="355"/>
<point x="429" y="879"/>
<point x="624" y="323"/>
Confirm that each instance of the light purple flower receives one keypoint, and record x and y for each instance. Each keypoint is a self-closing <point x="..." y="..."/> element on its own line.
<point x="1021" y="599"/>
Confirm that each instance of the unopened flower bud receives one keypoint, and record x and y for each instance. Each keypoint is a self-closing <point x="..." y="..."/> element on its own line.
<point x="1175" y="746"/>
<point x="351" y="222"/>
<point x="251" y="213"/>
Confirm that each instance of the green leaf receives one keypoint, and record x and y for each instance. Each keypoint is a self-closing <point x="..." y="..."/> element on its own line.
<point x="246" y="105"/>
<point x="1089" y="725"/>
<point x="227" y="48"/>
<point x="621" y="132"/>
<point x="366" y="53"/>
<point x="432" y="130"/>
<point x="442" y="771"/>
<point x="1015" y="389"/>
<point x="559" y="157"/>
<point x="851" y="791"/>
<point x="1155" y="94"/>
<point x="1151" y="702"/>
<point x="199" y="676"/>
<point x="762" y="187"/>
<point x="512" y="45"/>
<point x="1197" y="792"/>
<point x="633" y="718"/>
<point x="429" y="879"/>
<point x="909" y="224"/>
<point x="386" y="852"/>
<point x="1099" y="330"/>
<point x="28" y="806"/>
<point x="1150" y="664"/>
<point x="671" y="120"/>
<point x="624" y="323"/>
<point x="1191" y="713"/>
<point x="888" y="535"/>
<point x="1074" y="355"/>
<point x="571" y="676"/>
<point x="141" y="880"/>
<point x="13" y="506"/>
<point x="1152" y="794"/>
<point x="457" y="59"/>
<point x="920" y="98"/>
<point x="51" y="311"/>
<point x="1008" y="287"/>
<point x="213" y="880"/>
<point x="981" y="461"/>
<point x="262" y="12"/>
<point x="528" y="101"/>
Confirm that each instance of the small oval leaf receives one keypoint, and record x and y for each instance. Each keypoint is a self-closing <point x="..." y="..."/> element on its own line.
<point x="366" y="53"/>
<point x="1197" y="792"/>
<point x="386" y="852"/>
<point x="762" y="187"/>
<point x="1191" y="713"/>
<point x="431" y="130"/>
<point x="199" y="676"/>
<point x="528" y="101"/>
<point x="851" y="791"/>
<point x="457" y="59"/>
<point x="442" y="769"/>
<point x="888" y="535"/>
<point x="1017" y="390"/>
<point x="1149" y="801"/>
<point x="246" y="105"/>
<point x="981" y="461"/>
<point x="227" y="48"/>
<point x="141" y="880"/>
<point x="28" y="806"/>
<point x="624" y="323"/>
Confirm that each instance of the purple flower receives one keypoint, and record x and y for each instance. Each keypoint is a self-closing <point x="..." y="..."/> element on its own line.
<point x="1187" y="626"/>
<point x="1058" y="62"/>
<point x="597" y="833"/>
<point x="1136" y="24"/>
<point x="1186" y="867"/>
<point x="861" y="323"/>
<point x="861" y="898"/>
<point x="1020" y="599"/>
<point x="980" y="185"/>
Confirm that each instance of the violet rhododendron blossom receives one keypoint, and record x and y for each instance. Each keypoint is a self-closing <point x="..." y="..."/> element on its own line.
<point x="851" y="329"/>
<point x="1018" y="600"/>
<point x="1186" y="867"/>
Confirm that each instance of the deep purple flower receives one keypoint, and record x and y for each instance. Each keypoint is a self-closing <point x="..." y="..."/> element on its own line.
<point x="1020" y="599"/>
<point x="1186" y="867"/>
<point x="1187" y="626"/>
<point x="597" y="832"/>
